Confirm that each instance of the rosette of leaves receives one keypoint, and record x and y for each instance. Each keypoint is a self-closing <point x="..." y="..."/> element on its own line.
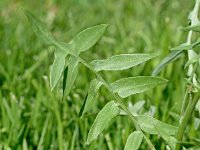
<point x="66" y="61"/>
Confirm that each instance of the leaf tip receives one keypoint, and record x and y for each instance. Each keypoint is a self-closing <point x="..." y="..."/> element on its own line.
<point x="88" y="141"/>
<point x="52" y="85"/>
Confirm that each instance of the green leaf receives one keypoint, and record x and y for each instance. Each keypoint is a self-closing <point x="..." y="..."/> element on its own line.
<point x="57" y="68"/>
<point x="193" y="28"/>
<point x="186" y="46"/>
<point x="154" y="126"/>
<point x="133" y="85"/>
<point x="134" y="140"/>
<point x="43" y="33"/>
<point x="91" y="95"/>
<point x="121" y="62"/>
<point x="171" y="57"/>
<point x="71" y="74"/>
<point x="109" y="111"/>
<point x="40" y="30"/>
<point x="88" y="37"/>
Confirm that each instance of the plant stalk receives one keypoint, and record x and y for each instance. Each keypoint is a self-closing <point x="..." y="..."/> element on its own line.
<point x="186" y="114"/>
<point x="186" y="118"/>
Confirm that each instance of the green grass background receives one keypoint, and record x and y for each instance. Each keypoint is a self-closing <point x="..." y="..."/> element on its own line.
<point x="32" y="117"/>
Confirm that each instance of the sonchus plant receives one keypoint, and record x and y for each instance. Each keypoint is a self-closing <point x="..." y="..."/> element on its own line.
<point x="191" y="100"/>
<point x="66" y="62"/>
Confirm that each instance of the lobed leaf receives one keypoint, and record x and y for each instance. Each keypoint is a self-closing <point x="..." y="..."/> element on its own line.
<point x="121" y="62"/>
<point x="109" y="111"/>
<point x="40" y="30"/>
<point x="171" y="57"/>
<point x="71" y="74"/>
<point x="133" y="85"/>
<point x="57" y="68"/>
<point x="134" y="141"/>
<point x="88" y="37"/>
<point x="154" y="126"/>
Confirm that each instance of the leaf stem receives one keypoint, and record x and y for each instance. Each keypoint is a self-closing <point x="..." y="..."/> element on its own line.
<point x="186" y="118"/>
<point x="118" y="100"/>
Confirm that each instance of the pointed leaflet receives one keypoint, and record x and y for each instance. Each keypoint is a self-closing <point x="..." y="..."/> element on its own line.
<point x="71" y="74"/>
<point x="109" y="111"/>
<point x="121" y="62"/>
<point x="40" y="30"/>
<point x="133" y="85"/>
<point x="134" y="140"/>
<point x="95" y="84"/>
<point x="171" y="57"/>
<point x="57" y="68"/>
<point x="186" y="46"/>
<point x="88" y="37"/>
<point x="43" y="33"/>
<point x="154" y="126"/>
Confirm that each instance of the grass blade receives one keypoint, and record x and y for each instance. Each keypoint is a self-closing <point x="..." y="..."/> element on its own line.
<point x="171" y="57"/>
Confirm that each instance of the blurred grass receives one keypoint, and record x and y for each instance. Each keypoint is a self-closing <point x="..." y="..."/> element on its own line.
<point x="32" y="117"/>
